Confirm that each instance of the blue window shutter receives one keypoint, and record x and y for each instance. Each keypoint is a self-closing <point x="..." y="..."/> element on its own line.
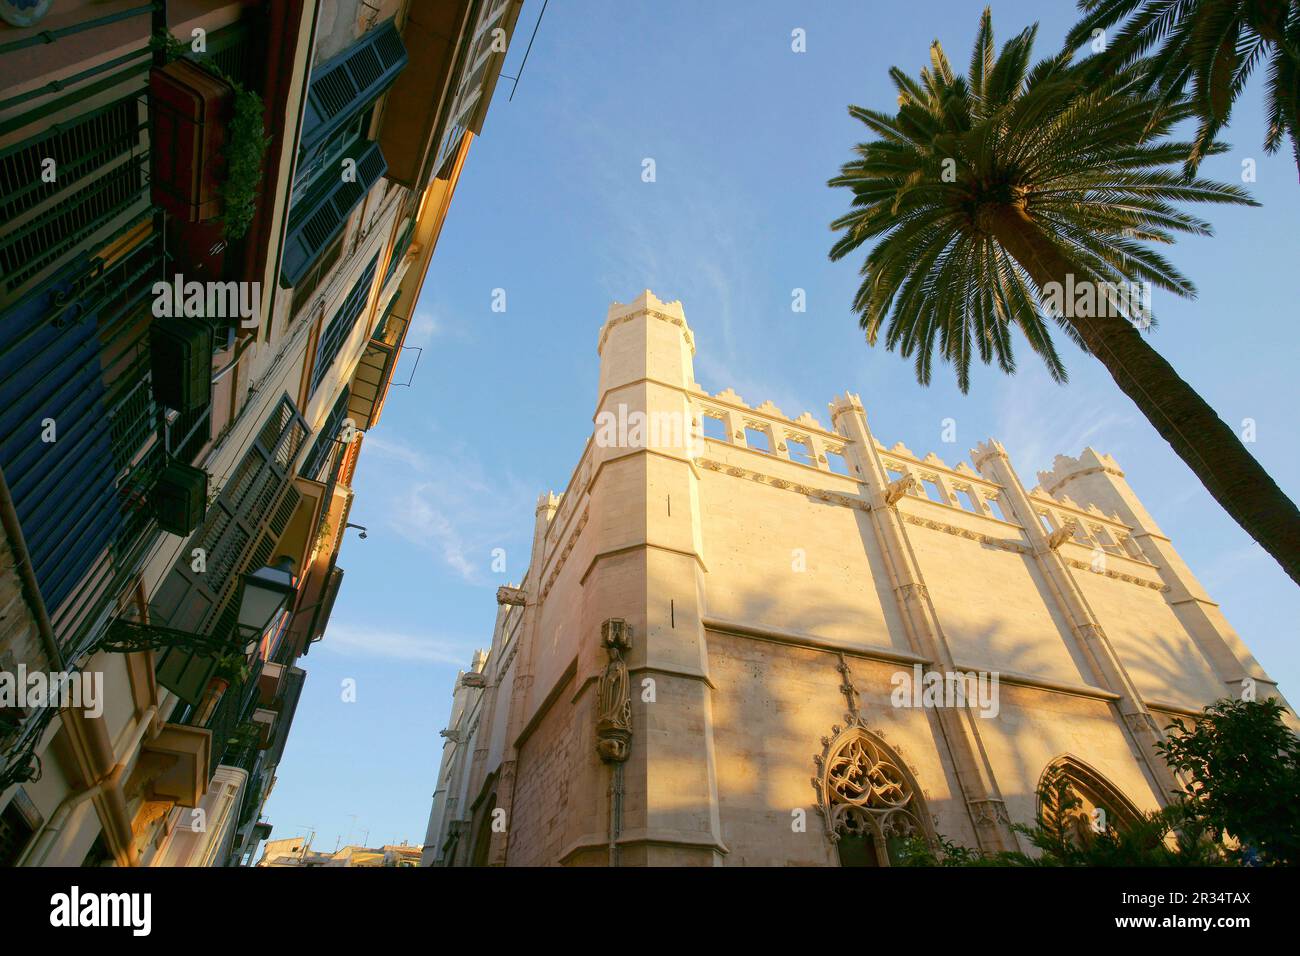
<point x="55" y="373"/>
<point x="346" y="83"/>
<point x="323" y="211"/>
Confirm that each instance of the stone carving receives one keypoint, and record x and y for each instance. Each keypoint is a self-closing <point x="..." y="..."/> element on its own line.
<point x="1002" y="543"/>
<point x="564" y="554"/>
<point x="989" y="813"/>
<point x="897" y="489"/>
<point x="820" y="493"/>
<point x="513" y="596"/>
<point x="1118" y="575"/>
<point x="614" y="700"/>
<point x="1061" y="535"/>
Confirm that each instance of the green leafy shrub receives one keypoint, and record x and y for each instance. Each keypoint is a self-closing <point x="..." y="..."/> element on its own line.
<point x="1243" y="763"/>
<point x="1240" y="806"/>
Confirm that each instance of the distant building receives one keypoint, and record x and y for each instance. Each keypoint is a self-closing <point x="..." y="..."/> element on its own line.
<point x="749" y="638"/>
<point x="297" y="852"/>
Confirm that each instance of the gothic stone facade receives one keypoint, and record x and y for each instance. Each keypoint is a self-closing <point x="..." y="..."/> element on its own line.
<point x="700" y="664"/>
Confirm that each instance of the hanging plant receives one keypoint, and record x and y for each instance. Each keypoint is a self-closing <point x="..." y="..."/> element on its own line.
<point x="244" y="150"/>
<point x="245" y="147"/>
<point x="248" y="734"/>
<point x="232" y="667"/>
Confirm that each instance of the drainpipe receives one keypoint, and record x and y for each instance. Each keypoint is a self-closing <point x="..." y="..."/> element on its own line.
<point x="109" y="785"/>
<point x="615" y="811"/>
<point x="23" y="565"/>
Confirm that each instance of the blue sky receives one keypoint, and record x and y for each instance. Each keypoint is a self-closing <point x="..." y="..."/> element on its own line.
<point x="744" y="133"/>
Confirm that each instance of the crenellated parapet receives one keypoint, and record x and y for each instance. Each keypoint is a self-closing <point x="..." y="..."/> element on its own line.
<point x="803" y="440"/>
<point x="647" y="303"/>
<point x="1064" y="468"/>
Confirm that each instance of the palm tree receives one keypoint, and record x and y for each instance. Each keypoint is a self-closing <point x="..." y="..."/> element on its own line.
<point x="1213" y="44"/>
<point x="992" y="194"/>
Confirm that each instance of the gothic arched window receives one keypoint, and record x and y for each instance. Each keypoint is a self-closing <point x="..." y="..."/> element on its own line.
<point x="1080" y="801"/>
<point x="483" y="838"/>
<point x="868" y="798"/>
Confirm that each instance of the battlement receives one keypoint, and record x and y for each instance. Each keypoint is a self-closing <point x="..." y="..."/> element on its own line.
<point x="1064" y="468"/>
<point x="647" y="303"/>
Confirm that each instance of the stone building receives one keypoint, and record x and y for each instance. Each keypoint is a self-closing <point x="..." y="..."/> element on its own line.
<point x="726" y="647"/>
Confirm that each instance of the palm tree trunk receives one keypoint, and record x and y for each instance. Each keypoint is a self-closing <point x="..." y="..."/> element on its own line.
<point x="1184" y="419"/>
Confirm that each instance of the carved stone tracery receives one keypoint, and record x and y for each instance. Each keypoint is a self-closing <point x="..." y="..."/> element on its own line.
<point x="864" y="791"/>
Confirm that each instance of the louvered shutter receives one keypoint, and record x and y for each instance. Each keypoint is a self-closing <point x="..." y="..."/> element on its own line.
<point x="318" y="219"/>
<point x="347" y="83"/>
<point x="343" y="322"/>
<point x="240" y="533"/>
<point x="64" y="490"/>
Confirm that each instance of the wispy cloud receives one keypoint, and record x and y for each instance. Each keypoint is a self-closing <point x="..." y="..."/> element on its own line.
<point x="444" y="501"/>
<point x="432" y="321"/>
<point x="1038" y="419"/>
<point x="353" y="640"/>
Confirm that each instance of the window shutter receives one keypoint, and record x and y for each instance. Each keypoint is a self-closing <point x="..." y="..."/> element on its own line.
<point x="319" y="218"/>
<point x="341" y="325"/>
<point x="345" y="84"/>
<point x="239" y="534"/>
<point x="323" y="446"/>
<point x="55" y="373"/>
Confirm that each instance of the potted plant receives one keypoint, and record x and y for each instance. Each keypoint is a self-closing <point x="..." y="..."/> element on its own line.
<point x="208" y="141"/>
<point x="231" y="668"/>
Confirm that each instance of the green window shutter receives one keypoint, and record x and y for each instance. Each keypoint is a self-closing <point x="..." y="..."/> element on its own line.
<point x="343" y="322"/>
<point x="399" y="248"/>
<point x="317" y="220"/>
<point x="239" y="534"/>
<point x="347" y="83"/>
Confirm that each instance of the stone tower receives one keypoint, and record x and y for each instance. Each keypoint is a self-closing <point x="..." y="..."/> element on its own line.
<point x="718" y="652"/>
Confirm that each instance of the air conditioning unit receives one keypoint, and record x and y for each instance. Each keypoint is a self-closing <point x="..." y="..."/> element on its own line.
<point x="180" y="356"/>
<point x="180" y="498"/>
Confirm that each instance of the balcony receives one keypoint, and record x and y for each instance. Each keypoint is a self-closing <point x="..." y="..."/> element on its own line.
<point x="430" y="33"/>
<point x="184" y="754"/>
<point x="268" y="684"/>
<point x="241" y="533"/>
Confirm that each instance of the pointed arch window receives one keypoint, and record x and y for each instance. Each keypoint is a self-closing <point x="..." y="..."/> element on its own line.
<point x="1087" y="792"/>
<point x="869" y="800"/>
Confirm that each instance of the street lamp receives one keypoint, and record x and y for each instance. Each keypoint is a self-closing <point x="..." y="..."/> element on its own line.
<point x="266" y="592"/>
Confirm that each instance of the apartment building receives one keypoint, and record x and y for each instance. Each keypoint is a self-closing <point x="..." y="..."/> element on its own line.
<point x="217" y="220"/>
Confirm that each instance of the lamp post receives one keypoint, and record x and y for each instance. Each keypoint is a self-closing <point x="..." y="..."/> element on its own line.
<point x="266" y="591"/>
